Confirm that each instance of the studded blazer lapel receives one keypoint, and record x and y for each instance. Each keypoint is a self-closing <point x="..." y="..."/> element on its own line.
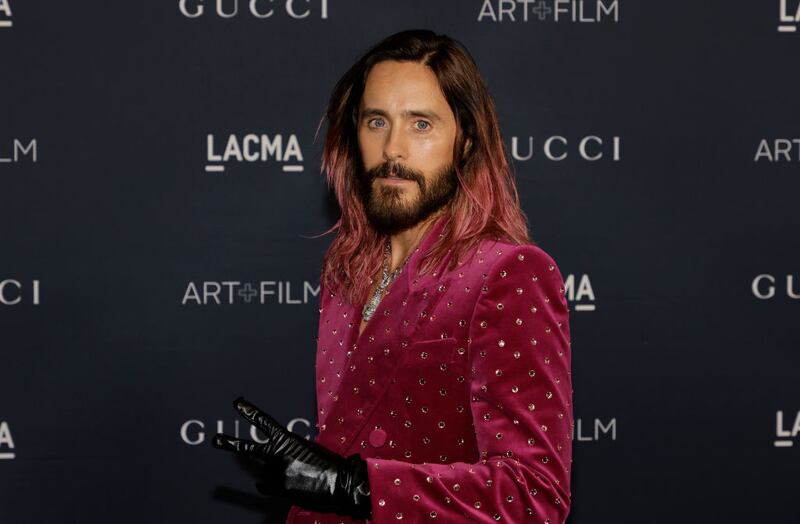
<point x="353" y="372"/>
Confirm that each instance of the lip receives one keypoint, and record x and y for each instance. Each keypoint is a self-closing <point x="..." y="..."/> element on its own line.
<point x="394" y="180"/>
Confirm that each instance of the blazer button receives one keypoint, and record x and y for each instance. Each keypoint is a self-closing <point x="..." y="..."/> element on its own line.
<point x="377" y="438"/>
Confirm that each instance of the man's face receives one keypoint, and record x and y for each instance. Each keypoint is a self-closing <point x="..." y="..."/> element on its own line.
<point x="406" y="134"/>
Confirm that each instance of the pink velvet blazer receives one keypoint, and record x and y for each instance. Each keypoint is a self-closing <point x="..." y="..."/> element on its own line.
<point x="458" y="393"/>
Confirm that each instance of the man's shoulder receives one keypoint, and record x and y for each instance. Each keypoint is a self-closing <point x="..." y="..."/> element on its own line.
<point x="519" y="269"/>
<point x="494" y="253"/>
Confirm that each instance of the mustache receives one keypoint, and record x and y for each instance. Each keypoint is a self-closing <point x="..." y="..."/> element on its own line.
<point x="387" y="169"/>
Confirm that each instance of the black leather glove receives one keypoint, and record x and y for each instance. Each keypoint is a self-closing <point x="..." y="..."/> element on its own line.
<point x="302" y="471"/>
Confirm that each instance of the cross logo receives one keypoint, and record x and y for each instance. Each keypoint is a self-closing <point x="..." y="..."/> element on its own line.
<point x="248" y="292"/>
<point x="541" y="9"/>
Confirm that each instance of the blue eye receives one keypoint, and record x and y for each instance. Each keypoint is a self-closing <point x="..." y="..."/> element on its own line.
<point x="424" y="122"/>
<point x="374" y="119"/>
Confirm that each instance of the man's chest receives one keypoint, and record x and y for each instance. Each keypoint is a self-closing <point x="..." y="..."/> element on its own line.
<point x="414" y="345"/>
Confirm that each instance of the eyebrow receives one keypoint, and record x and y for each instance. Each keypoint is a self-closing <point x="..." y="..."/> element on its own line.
<point x="425" y="113"/>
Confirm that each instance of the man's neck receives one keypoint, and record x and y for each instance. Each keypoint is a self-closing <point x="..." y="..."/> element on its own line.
<point x="405" y="242"/>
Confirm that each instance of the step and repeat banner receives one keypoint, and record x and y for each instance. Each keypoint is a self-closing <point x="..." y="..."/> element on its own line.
<point x="161" y="211"/>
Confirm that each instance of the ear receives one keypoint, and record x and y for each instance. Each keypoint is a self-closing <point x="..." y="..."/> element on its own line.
<point x="467" y="146"/>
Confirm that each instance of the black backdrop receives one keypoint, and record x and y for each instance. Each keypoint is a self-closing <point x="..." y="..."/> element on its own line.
<point x="154" y="264"/>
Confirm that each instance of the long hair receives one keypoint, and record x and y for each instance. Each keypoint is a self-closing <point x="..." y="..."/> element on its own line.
<point x="486" y="203"/>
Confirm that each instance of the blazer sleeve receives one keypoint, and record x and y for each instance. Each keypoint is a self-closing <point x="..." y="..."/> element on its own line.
<point x="521" y="404"/>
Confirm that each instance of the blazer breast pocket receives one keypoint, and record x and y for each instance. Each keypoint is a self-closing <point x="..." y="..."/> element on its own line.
<point x="434" y="349"/>
<point x="434" y="357"/>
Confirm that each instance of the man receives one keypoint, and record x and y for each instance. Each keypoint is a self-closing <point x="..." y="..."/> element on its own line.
<point x="443" y="358"/>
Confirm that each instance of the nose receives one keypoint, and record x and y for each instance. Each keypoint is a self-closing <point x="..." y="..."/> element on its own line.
<point x="395" y="146"/>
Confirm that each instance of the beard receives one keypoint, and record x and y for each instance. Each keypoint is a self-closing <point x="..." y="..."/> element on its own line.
<point x="385" y="205"/>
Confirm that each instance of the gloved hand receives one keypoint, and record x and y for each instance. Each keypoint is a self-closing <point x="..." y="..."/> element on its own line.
<point x="301" y="471"/>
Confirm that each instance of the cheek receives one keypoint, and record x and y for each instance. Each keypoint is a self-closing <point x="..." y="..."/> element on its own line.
<point x="435" y="152"/>
<point x="370" y="148"/>
<point x="367" y="139"/>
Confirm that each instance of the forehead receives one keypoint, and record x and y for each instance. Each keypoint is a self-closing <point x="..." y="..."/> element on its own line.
<point x="398" y="86"/>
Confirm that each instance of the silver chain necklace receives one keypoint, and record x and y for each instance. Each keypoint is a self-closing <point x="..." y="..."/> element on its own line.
<point x="386" y="279"/>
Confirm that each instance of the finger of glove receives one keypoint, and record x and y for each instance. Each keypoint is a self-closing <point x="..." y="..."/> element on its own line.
<point x="255" y="416"/>
<point x="240" y="446"/>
